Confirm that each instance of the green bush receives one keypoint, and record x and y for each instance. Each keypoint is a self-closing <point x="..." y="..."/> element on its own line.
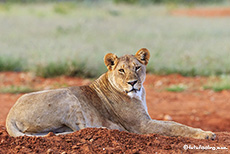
<point x="126" y="1"/>
<point x="11" y="64"/>
<point x="64" y="8"/>
<point x="69" y="68"/>
<point x="223" y="83"/>
<point x="177" y="88"/>
<point x="51" y="70"/>
<point x="16" y="89"/>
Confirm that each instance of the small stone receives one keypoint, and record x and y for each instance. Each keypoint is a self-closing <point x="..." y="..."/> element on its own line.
<point x="83" y="140"/>
<point x="79" y="144"/>
<point x="158" y="83"/>
<point x="50" y="134"/>
<point x="167" y="117"/>
<point x="68" y="140"/>
<point x="18" y="147"/>
<point x="2" y="141"/>
<point x="75" y="147"/>
<point x="135" y="151"/>
<point x="149" y="143"/>
<point x="49" y="151"/>
<point x="91" y="140"/>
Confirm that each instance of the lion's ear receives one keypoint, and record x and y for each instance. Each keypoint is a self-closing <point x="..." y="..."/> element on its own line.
<point x="110" y="60"/>
<point x="143" y="55"/>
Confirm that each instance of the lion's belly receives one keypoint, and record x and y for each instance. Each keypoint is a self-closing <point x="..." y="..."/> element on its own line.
<point x="56" y="110"/>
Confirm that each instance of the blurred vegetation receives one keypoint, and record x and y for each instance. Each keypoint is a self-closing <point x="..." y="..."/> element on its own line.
<point x="218" y="84"/>
<point x="177" y="88"/>
<point x="16" y="89"/>
<point x="119" y="1"/>
<point x="168" y="1"/>
<point x="64" y="8"/>
<point x="69" y="68"/>
<point x="11" y="64"/>
<point x="72" y="38"/>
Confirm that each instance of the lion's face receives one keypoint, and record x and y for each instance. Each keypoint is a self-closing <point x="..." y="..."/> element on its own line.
<point x="128" y="72"/>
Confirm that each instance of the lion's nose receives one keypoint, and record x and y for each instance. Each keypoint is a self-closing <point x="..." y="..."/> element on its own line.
<point x="132" y="83"/>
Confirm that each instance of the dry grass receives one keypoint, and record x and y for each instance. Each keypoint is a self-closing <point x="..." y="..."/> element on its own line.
<point x="52" y="36"/>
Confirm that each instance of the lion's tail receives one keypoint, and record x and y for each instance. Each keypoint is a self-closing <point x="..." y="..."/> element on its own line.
<point x="12" y="128"/>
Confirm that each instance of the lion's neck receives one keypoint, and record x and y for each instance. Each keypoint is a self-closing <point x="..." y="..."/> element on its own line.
<point x="119" y="105"/>
<point x="106" y="90"/>
<point x="103" y="86"/>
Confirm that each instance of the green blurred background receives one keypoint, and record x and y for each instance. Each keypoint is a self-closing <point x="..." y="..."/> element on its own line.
<point x="52" y="38"/>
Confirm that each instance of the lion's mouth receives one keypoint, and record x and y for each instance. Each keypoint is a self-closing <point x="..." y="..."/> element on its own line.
<point x="133" y="90"/>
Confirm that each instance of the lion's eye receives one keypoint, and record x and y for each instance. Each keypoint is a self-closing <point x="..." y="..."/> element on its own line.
<point x="121" y="70"/>
<point x="137" y="68"/>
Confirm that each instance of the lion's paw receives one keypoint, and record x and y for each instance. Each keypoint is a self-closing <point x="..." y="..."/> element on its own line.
<point x="206" y="135"/>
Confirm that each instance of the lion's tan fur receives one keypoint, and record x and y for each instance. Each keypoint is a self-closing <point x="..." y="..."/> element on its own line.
<point x="115" y="100"/>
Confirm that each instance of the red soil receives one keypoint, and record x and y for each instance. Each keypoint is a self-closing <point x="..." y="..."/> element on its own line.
<point x="204" y="12"/>
<point x="195" y="107"/>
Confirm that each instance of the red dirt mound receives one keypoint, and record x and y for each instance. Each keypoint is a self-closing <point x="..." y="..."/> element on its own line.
<point x="99" y="140"/>
<point x="195" y="107"/>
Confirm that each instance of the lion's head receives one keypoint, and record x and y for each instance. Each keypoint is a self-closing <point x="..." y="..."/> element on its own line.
<point x="127" y="73"/>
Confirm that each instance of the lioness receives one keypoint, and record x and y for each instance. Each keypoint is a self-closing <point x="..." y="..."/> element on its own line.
<point x="115" y="100"/>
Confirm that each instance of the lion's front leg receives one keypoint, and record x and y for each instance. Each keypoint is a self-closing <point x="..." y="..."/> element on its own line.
<point x="170" y="128"/>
